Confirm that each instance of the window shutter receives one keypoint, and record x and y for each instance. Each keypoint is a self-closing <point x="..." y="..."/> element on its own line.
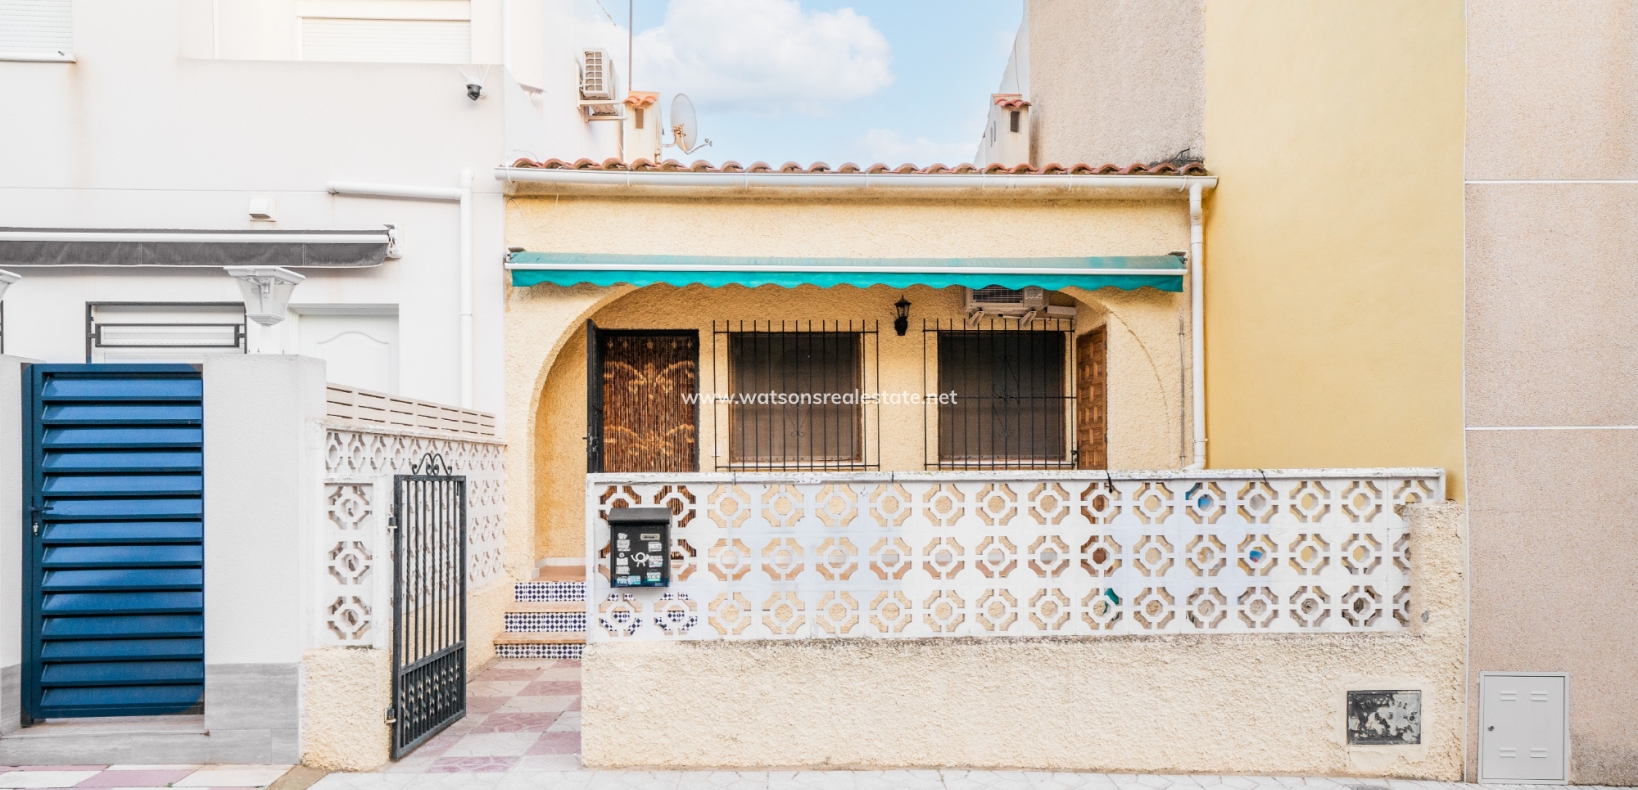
<point x="386" y="40"/>
<point x="41" y="29"/>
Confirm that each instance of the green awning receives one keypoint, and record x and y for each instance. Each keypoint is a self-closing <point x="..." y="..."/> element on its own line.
<point x="1127" y="272"/>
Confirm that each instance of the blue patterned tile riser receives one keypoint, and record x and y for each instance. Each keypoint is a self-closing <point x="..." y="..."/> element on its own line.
<point x="535" y="622"/>
<point x="549" y="592"/>
<point x="539" y="651"/>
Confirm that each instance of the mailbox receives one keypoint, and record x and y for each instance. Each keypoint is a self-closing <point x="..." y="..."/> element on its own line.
<point x="640" y="547"/>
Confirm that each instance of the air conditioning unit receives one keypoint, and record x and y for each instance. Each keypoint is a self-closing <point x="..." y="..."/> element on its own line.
<point x="597" y="86"/>
<point x="1025" y="304"/>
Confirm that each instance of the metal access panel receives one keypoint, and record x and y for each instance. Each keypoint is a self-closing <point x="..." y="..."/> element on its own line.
<point x="114" y="540"/>
<point x="639" y="547"/>
<point x="1524" y="735"/>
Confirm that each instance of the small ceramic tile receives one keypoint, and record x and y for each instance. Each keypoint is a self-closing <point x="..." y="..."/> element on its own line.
<point x="493" y="744"/>
<point x="516" y="722"/>
<point x="549" y="762"/>
<point x="474" y="764"/>
<point x="136" y="778"/>
<point x="557" y="743"/>
<point x="497" y="688"/>
<point x="236" y="776"/>
<point x="29" y="778"/>
<point x="510" y="674"/>
<point x="538" y="704"/>
<point x="154" y="767"/>
<point x="550" y="688"/>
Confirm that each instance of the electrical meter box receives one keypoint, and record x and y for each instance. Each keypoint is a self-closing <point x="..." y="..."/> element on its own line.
<point x="640" y="547"/>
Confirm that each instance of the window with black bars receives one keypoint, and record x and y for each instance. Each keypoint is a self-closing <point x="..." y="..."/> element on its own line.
<point x="795" y="394"/>
<point x="1005" y="400"/>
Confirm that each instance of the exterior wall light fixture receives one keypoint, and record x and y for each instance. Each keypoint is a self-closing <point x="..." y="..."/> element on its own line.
<point x="901" y="312"/>
<point x="266" y="290"/>
<point x="6" y="279"/>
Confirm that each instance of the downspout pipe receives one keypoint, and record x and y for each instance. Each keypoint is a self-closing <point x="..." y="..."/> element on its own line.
<point x="463" y="196"/>
<point x="1197" y="314"/>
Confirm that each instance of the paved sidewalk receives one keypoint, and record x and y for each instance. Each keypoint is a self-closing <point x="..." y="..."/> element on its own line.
<point x="862" y="780"/>
<point x="105" y="777"/>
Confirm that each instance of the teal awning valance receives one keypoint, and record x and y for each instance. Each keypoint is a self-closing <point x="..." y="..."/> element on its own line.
<point x="1127" y="272"/>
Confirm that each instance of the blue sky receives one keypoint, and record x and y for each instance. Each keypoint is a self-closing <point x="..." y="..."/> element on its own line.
<point x="827" y="80"/>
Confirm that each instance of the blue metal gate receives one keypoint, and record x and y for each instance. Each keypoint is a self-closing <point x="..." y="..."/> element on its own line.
<point x="114" y="530"/>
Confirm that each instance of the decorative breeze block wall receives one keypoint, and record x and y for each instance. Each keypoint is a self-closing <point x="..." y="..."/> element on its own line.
<point x="917" y="555"/>
<point x="355" y="595"/>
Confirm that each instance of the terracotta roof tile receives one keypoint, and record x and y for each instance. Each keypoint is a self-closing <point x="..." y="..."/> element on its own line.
<point x="641" y="98"/>
<point x="702" y="166"/>
<point x="1009" y="101"/>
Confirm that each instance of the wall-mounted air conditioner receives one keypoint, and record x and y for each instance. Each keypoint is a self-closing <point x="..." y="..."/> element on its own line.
<point x="1025" y="304"/>
<point x="597" y="86"/>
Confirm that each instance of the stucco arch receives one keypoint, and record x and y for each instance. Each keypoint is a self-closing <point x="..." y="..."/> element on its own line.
<point x="539" y="322"/>
<point x="1145" y="383"/>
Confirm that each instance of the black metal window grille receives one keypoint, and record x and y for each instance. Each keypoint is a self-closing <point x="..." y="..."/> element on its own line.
<point x="1006" y="400"/>
<point x="428" y="603"/>
<point x="796" y="394"/>
<point x="167" y="336"/>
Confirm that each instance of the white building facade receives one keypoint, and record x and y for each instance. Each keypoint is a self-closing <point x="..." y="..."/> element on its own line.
<point x="153" y="149"/>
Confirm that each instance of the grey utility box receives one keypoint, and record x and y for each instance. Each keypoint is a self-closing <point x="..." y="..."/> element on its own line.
<point x="1524" y="736"/>
<point x="640" y="547"/>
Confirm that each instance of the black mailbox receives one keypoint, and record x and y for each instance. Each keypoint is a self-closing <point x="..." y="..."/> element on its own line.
<point x="640" y="547"/>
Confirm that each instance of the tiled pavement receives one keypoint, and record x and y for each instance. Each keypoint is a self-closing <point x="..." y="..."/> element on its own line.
<point x="220" y="777"/>
<point x="522" y="715"/>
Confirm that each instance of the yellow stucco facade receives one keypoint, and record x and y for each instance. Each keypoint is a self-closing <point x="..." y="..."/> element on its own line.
<point x="1334" y="239"/>
<point x="1146" y="331"/>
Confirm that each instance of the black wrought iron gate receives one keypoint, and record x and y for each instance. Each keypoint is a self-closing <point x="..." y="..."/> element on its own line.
<point x="428" y="603"/>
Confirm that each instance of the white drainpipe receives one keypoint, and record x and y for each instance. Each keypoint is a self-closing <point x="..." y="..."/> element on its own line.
<point x="462" y="195"/>
<point x="1197" y="313"/>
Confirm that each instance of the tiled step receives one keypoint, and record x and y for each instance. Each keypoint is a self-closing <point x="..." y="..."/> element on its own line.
<point x="545" y="592"/>
<point x="547" y="618"/>
<point x="552" y="617"/>
<point x="540" y="645"/>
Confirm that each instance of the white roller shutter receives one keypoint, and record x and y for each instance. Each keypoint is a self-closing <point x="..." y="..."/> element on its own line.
<point x="36" y="29"/>
<point x="387" y="40"/>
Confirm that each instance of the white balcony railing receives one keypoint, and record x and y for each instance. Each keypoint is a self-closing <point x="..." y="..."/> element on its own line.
<point x="915" y="555"/>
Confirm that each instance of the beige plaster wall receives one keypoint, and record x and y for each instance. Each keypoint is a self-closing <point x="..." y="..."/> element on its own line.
<point x="1118" y="81"/>
<point x="1145" y="357"/>
<point x="1551" y="310"/>
<point x="1334" y="238"/>
<point x="1549" y="89"/>
<point x="539" y="322"/>
<point x="546" y="349"/>
<point x="485" y="619"/>
<point x="1179" y="704"/>
<point x="345" y="692"/>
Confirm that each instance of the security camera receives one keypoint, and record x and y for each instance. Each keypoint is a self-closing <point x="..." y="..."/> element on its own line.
<point x="473" y="90"/>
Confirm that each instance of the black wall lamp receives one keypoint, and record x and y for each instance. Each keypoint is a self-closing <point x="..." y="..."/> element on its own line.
<point x="901" y="312"/>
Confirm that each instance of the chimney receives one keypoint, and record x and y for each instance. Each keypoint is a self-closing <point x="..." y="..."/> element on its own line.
<point x="642" y="126"/>
<point x="1006" y="139"/>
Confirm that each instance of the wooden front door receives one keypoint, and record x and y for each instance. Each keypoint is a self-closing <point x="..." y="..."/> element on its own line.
<point x="1091" y="401"/>
<point x="648" y="383"/>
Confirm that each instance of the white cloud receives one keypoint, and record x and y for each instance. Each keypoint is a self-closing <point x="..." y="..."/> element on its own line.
<point x="762" y="56"/>
<point x="889" y="147"/>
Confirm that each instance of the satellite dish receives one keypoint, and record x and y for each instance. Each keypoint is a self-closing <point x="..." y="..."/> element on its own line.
<point x="685" y="128"/>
